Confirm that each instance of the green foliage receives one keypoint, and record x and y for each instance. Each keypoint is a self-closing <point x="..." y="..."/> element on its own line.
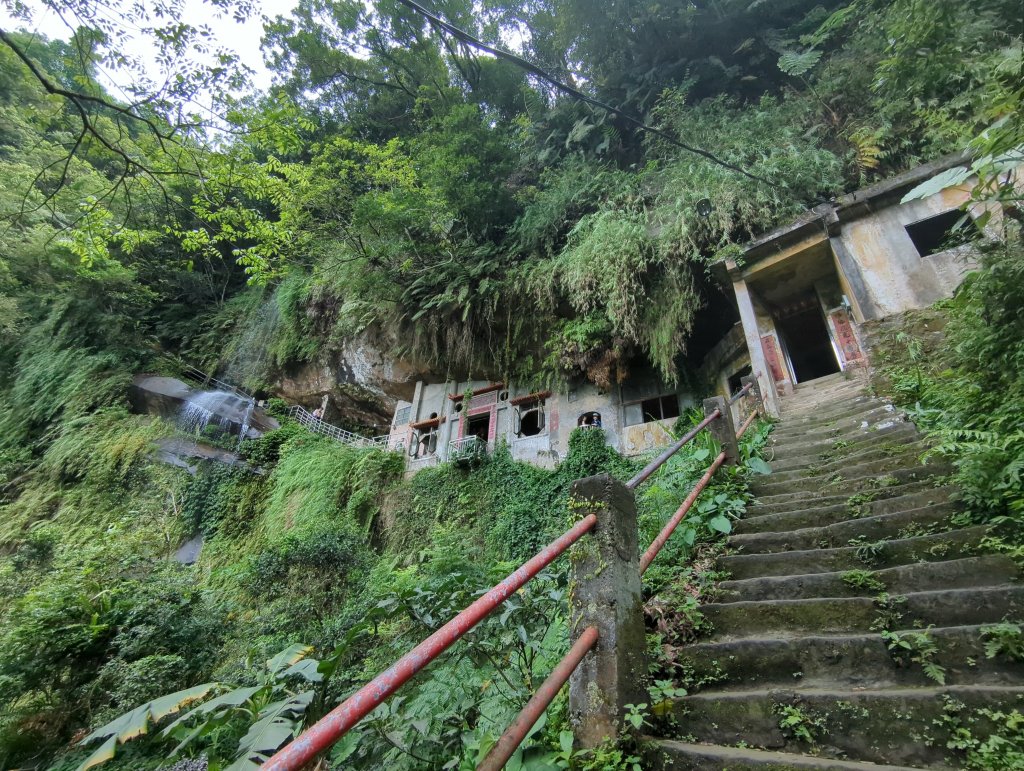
<point x="800" y="723"/>
<point x="916" y="647"/>
<point x="1006" y="639"/>
<point x="984" y="739"/>
<point x="863" y="579"/>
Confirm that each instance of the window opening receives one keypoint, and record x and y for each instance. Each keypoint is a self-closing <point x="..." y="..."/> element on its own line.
<point x="402" y="416"/>
<point x="663" y="407"/>
<point x="530" y="422"/>
<point x="589" y="420"/>
<point x="938" y="233"/>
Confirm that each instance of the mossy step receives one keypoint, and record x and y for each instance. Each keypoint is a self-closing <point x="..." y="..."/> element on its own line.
<point x="899" y="454"/>
<point x="931" y="548"/>
<point x="987" y="570"/>
<point x="898" y="726"/>
<point x="836" y="457"/>
<point x="853" y="419"/>
<point x="852" y="477"/>
<point x="812" y="445"/>
<point x="852" y="507"/>
<point x="848" y="429"/>
<point x="664" y="754"/>
<point x="945" y="607"/>
<point x="828" y="409"/>
<point x="861" y="661"/>
<point x="806" y="499"/>
<point x="881" y="526"/>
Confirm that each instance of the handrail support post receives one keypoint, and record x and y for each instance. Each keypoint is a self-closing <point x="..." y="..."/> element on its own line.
<point x="723" y="429"/>
<point x="606" y="593"/>
<point x="755" y="392"/>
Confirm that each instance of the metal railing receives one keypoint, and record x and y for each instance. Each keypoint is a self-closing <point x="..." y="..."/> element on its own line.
<point x="329" y="729"/>
<point x="316" y="425"/>
<point x="197" y="376"/>
<point x="466" y="448"/>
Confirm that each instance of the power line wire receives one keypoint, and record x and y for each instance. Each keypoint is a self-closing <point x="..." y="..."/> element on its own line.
<point x="470" y="40"/>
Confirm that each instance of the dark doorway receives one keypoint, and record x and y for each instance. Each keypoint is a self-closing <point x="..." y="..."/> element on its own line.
<point x="808" y="344"/>
<point x="479" y="425"/>
<point x="736" y="380"/>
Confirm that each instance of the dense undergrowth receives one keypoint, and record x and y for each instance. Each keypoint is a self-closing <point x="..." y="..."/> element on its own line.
<point x="402" y="190"/>
<point x="99" y="620"/>
<point x="957" y="367"/>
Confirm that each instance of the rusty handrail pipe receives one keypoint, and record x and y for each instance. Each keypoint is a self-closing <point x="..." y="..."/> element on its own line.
<point x="336" y="723"/>
<point x="746" y="424"/>
<point x="671" y="450"/>
<point x="658" y="543"/>
<point x="520" y="727"/>
<point x="740" y="394"/>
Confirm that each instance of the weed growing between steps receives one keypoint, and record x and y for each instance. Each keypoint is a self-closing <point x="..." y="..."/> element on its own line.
<point x="983" y="739"/>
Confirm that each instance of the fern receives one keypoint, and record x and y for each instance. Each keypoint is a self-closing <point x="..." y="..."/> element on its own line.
<point x="798" y="64"/>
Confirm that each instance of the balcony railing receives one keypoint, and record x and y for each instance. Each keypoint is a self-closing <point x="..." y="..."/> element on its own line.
<point x="467" y="448"/>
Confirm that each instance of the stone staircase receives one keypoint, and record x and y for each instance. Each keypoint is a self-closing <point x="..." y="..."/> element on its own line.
<point x="797" y="637"/>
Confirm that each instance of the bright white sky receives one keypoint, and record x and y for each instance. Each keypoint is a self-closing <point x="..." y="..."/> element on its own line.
<point x="243" y="39"/>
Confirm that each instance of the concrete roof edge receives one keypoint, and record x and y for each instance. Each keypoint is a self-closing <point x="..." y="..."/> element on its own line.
<point x="849" y="206"/>
<point x="854" y="203"/>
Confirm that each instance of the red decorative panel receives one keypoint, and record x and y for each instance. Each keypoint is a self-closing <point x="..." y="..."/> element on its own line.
<point x="845" y="336"/>
<point x="771" y="355"/>
<point x="553" y="421"/>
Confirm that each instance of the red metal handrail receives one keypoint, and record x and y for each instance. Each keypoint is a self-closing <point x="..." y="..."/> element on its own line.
<point x="746" y="424"/>
<point x="342" y="718"/>
<point x="740" y="394"/>
<point x="658" y="543"/>
<point x="671" y="450"/>
<point x="520" y="727"/>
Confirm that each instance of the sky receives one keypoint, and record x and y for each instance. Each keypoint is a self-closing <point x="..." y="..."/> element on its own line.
<point x="243" y="39"/>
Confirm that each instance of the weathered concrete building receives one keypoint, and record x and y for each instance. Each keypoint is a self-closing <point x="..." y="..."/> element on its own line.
<point x="440" y="425"/>
<point x="802" y="294"/>
<point x="804" y="290"/>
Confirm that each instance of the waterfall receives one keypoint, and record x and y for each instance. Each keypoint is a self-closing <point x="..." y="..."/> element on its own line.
<point x="245" y="423"/>
<point x="218" y="407"/>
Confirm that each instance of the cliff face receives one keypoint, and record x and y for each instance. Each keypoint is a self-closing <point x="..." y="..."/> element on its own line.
<point x="362" y="382"/>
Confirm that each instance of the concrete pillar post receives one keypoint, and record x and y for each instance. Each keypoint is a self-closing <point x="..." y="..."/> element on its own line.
<point x="758" y="364"/>
<point x="606" y="594"/>
<point x="723" y="429"/>
<point x="755" y="392"/>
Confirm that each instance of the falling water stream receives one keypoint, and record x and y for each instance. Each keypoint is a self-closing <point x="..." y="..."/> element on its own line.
<point x="221" y="408"/>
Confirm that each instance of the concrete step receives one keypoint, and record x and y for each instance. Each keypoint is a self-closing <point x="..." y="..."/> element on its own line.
<point x="894" y="453"/>
<point x="883" y="526"/>
<point x="859" y="425"/>
<point x="664" y="754"/>
<point x="836" y="455"/>
<point x="852" y="507"/>
<point x="851" y="478"/>
<point x="952" y="607"/>
<point x="987" y="570"/>
<point x="814" y="445"/>
<point x="935" y="548"/>
<point x="829" y="409"/>
<point x="880" y="726"/>
<point x="806" y="499"/>
<point x="855" y="661"/>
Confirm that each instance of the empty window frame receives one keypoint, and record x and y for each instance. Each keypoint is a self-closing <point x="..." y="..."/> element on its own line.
<point x="663" y="407"/>
<point x="943" y="231"/>
<point x="529" y="419"/>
